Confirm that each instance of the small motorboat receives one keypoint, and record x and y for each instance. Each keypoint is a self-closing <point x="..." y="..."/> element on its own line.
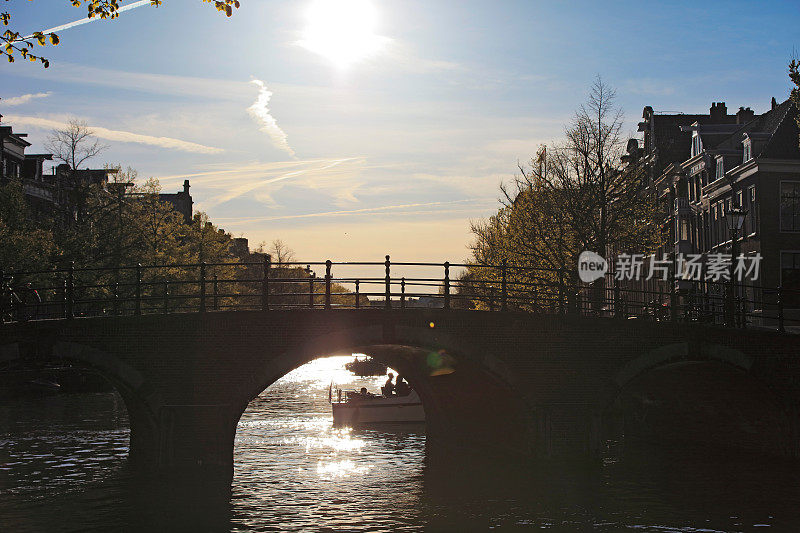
<point x="366" y="367"/>
<point x="353" y="408"/>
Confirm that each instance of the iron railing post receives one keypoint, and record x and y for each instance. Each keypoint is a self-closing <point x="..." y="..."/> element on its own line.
<point x="402" y="293"/>
<point x="743" y="310"/>
<point x="673" y="299"/>
<point x="64" y="298"/>
<point x="115" y="296"/>
<point x="491" y="298"/>
<point x="388" y="281"/>
<point x="358" y="296"/>
<point x="202" y="286"/>
<point x="311" y="291"/>
<point x="265" y="283"/>
<point x="781" y="327"/>
<point x="617" y="306"/>
<point x="138" y="289"/>
<point x="446" y="285"/>
<point x="504" y="285"/>
<point x="70" y="290"/>
<point x="166" y="297"/>
<point x="561" y="291"/>
<point x="328" y="284"/>
<point x="215" y="301"/>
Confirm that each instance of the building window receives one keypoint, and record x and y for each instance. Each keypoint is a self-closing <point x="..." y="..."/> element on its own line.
<point x="790" y="278"/>
<point x="790" y="206"/>
<point x="720" y="168"/>
<point x="748" y="151"/>
<point x="697" y="145"/>
<point x="753" y="211"/>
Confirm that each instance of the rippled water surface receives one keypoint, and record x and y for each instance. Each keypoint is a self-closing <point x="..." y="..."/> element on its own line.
<point x="63" y="468"/>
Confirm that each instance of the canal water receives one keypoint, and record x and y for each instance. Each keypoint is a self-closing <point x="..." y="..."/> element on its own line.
<point x="63" y="468"/>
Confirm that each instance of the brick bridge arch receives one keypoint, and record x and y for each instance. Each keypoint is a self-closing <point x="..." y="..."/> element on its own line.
<point x="554" y="374"/>
<point x="142" y="402"/>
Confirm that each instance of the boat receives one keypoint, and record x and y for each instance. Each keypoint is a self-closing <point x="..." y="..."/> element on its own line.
<point x="353" y="408"/>
<point x="366" y="367"/>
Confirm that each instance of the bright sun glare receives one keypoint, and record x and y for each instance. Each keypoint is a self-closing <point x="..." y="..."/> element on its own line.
<point x="343" y="31"/>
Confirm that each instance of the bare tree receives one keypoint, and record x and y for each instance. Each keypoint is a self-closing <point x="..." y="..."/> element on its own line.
<point x="575" y="195"/>
<point x="75" y="144"/>
<point x="281" y="253"/>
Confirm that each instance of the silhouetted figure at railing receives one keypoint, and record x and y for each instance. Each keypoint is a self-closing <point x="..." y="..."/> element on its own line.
<point x="402" y="388"/>
<point x="388" y="387"/>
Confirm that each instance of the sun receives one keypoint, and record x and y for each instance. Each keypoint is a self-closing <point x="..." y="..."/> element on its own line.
<point x="342" y="31"/>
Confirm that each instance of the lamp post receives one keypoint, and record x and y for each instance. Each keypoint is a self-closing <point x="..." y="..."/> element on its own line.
<point x="735" y="219"/>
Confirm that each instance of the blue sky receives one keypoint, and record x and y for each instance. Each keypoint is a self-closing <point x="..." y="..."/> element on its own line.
<point x="395" y="152"/>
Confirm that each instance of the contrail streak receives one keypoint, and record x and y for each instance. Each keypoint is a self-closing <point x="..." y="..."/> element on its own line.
<point x="69" y="25"/>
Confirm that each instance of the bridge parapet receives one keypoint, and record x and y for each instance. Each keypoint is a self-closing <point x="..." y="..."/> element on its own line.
<point x="204" y="287"/>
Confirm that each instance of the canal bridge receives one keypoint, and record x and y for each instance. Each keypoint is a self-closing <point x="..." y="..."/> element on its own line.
<point x="537" y="374"/>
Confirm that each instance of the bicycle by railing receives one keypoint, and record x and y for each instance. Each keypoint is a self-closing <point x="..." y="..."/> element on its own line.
<point x="223" y="286"/>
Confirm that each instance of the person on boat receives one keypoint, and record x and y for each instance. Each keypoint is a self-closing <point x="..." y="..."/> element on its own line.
<point x="388" y="387"/>
<point x="402" y="388"/>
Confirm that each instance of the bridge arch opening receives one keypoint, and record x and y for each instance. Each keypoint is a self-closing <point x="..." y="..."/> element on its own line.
<point x="712" y="406"/>
<point x="60" y="416"/>
<point x="85" y="392"/>
<point x="468" y="408"/>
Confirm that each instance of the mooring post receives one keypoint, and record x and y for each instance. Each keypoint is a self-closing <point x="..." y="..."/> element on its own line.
<point x="446" y="284"/>
<point x="388" y="296"/>
<point x="328" y="284"/>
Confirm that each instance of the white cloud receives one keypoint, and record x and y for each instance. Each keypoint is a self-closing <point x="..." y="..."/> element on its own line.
<point x="23" y="99"/>
<point x="117" y="135"/>
<point x="260" y="113"/>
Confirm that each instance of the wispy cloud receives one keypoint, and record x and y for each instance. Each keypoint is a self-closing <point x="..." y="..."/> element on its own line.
<point x="23" y="98"/>
<point x="117" y="135"/>
<point x="260" y="113"/>
<point x="82" y="21"/>
<point x="336" y="178"/>
<point x="364" y="211"/>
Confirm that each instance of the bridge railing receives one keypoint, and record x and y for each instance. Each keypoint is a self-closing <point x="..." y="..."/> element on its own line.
<point x="223" y="286"/>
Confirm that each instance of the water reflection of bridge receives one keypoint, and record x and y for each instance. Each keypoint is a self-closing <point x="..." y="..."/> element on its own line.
<point x="535" y="378"/>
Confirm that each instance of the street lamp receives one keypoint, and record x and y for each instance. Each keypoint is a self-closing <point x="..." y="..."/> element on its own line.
<point x="735" y="219"/>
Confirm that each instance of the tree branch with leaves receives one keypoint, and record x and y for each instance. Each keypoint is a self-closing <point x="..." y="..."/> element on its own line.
<point x="15" y="44"/>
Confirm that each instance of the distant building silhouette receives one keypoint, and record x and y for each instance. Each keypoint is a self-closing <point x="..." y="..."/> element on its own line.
<point x="702" y="166"/>
<point x="54" y="194"/>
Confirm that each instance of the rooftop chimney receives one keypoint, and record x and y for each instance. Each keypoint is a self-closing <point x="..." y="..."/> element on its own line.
<point x="718" y="112"/>
<point x="774" y="103"/>
<point x="185" y="186"/>
<point x="744" y="115"/>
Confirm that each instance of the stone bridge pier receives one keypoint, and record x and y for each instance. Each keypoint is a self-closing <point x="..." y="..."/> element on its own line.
<point x="493" y="384"/>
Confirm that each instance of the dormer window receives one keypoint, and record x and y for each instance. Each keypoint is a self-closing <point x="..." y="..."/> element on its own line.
<point x="697" y="145"/>
<point x="748" y="150"/>
<point x="720" y="168"/>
